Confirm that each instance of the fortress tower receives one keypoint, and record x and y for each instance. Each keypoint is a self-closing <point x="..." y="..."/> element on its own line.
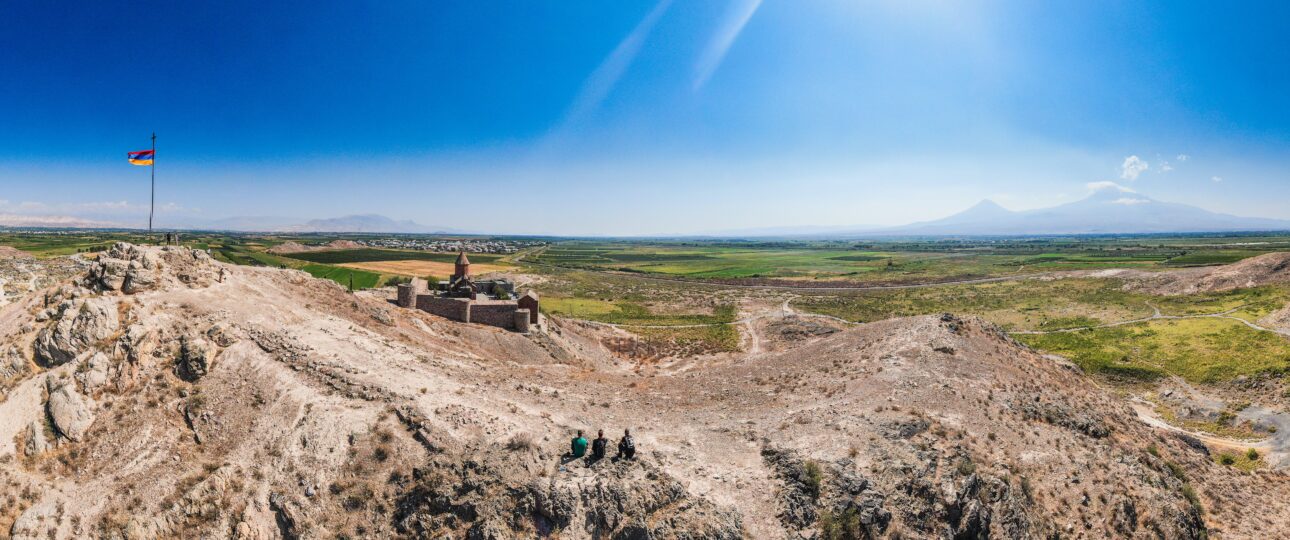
<point x="462" y="267"/>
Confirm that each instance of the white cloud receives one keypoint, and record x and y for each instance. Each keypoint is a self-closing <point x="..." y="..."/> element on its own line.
<point x="736" y="18"/>
<point x="1132" y="167"/>
<point x="100" y="205"/>
<point x="1183" y="157"/>
<point x="1165" y="167"/>
<point x="1130" y="201"/>
<point x="602" y="81"/>
<point x="1107" y="184"/>
<point x="1216" y="178"/>
<point x="32" y="205"/>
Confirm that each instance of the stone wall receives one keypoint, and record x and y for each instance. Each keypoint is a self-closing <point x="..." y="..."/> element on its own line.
<point x="457" y="309"/>
<point x="518" y="315"/>
<point x="501" y="315"/>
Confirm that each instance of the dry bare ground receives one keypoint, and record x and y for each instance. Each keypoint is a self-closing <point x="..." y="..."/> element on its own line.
<point x="165" y="394"/>
<point x="1264" y="269"/>
<point x="287" y="248"/>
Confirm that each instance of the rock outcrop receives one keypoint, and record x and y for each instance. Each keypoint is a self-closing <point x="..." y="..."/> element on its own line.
<point x="37" y="442"/>
<point x="12" y="364"/>
<point x="133" y="269"/>
<point x="71" y="412"/>
<point x="487" y="497"/>
<point x="94" y="372"/>
<point x="194" y="358"/>
<point x="80" y="324"/>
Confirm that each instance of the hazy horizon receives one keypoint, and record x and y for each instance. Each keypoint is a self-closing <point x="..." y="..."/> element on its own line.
<point x="644" y="118"/>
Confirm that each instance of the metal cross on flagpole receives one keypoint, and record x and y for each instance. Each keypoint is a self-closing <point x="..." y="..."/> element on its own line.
<point x="152" y="202"/>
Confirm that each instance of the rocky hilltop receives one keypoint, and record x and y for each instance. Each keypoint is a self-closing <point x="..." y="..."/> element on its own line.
<point x="163" y="394"/>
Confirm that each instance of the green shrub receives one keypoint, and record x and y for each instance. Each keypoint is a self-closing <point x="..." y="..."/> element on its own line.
<point x="846" y="526"/>
<point x="813" y="478"/>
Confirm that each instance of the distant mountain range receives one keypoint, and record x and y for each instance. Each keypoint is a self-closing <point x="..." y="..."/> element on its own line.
<point x="364" y="223"/>
<point x="53" y="222"/>
<point x="1106" y="211"/>
<point x="1111" y="210"/>
<point x="367" y="223"/>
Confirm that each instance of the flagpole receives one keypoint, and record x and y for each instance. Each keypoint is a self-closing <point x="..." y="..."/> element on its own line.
<point x="152" y="202"/>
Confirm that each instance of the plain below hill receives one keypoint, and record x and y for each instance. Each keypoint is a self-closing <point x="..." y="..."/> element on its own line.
<point x="254" y="402"/>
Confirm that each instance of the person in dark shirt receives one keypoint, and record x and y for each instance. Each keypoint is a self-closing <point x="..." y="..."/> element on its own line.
<point x="578" y="446"/>
<point x="627" y="445"/>
<point x="598" y="446"/>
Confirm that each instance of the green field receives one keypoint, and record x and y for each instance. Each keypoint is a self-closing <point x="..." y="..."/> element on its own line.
<point x="630" y="313"/>
<point x="1015" y="305"/>
<point x="1206" y="350"/>
<point x="896" y="261"/>
<point x="359" y="279"/>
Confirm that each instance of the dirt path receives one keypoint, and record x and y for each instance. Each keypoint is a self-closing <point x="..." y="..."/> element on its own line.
<point x="1147" y="414"/>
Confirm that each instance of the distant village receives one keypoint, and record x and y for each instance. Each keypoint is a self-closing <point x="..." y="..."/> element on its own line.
<point x="470" y="246"/>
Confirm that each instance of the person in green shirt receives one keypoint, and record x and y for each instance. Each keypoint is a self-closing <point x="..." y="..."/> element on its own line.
<point x="579" y="445"/>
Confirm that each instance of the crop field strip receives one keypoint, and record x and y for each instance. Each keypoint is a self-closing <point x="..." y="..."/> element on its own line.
<point x="897" y="262"/>
<point x="382" y="255"/>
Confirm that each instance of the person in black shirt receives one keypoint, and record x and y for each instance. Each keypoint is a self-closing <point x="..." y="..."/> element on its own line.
<point x="627" y="446"/>
<point x="598" y="446"/>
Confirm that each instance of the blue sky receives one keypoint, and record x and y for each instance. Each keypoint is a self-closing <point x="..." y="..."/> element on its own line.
<point x="650" y="117"/>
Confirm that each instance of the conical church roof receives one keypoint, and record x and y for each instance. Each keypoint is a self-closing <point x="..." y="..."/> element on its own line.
<point x="461" y="258"/>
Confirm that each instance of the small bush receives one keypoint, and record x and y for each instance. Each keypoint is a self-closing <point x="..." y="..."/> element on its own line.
<point x="1252" y="454"/>
<point x="1226" y="459"/>
<point x="1189" y="493"/>
<point x="520" y="441"/>
<point x="814" y="478"/>
<point x="846" y="526"/>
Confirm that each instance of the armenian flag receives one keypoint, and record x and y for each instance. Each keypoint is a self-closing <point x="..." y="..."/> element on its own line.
<point x="142" y="157"/>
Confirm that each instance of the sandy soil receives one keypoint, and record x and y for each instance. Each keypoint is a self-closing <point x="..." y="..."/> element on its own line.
<point x="287" y="248"/>
<point x="9" y="252"/>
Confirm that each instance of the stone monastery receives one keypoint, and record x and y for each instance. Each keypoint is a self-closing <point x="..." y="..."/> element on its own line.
<point x="464" y="299"/>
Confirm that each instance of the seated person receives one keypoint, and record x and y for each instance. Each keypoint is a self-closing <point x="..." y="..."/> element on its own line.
<point x="598" y="446"/>
<point x="627" y="446"/>
<point x="578" y="446"/>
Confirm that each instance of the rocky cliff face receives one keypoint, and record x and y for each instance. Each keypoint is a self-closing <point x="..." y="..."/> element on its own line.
<point x="165" y="395"/>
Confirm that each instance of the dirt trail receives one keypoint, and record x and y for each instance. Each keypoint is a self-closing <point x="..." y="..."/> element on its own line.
<point x="1147" y="414"/>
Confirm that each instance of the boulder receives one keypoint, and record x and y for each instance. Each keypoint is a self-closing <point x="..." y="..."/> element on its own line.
<point x="92" y="374"/>
<point x="223" y="334"/>
<point x="12" y="364"/>
<point x="136" y="343"/>
<point x="194" y="358"/>
<point x="71" y="412"/>
<point x="37" y="442"/>
<point x="76" y="330"/>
